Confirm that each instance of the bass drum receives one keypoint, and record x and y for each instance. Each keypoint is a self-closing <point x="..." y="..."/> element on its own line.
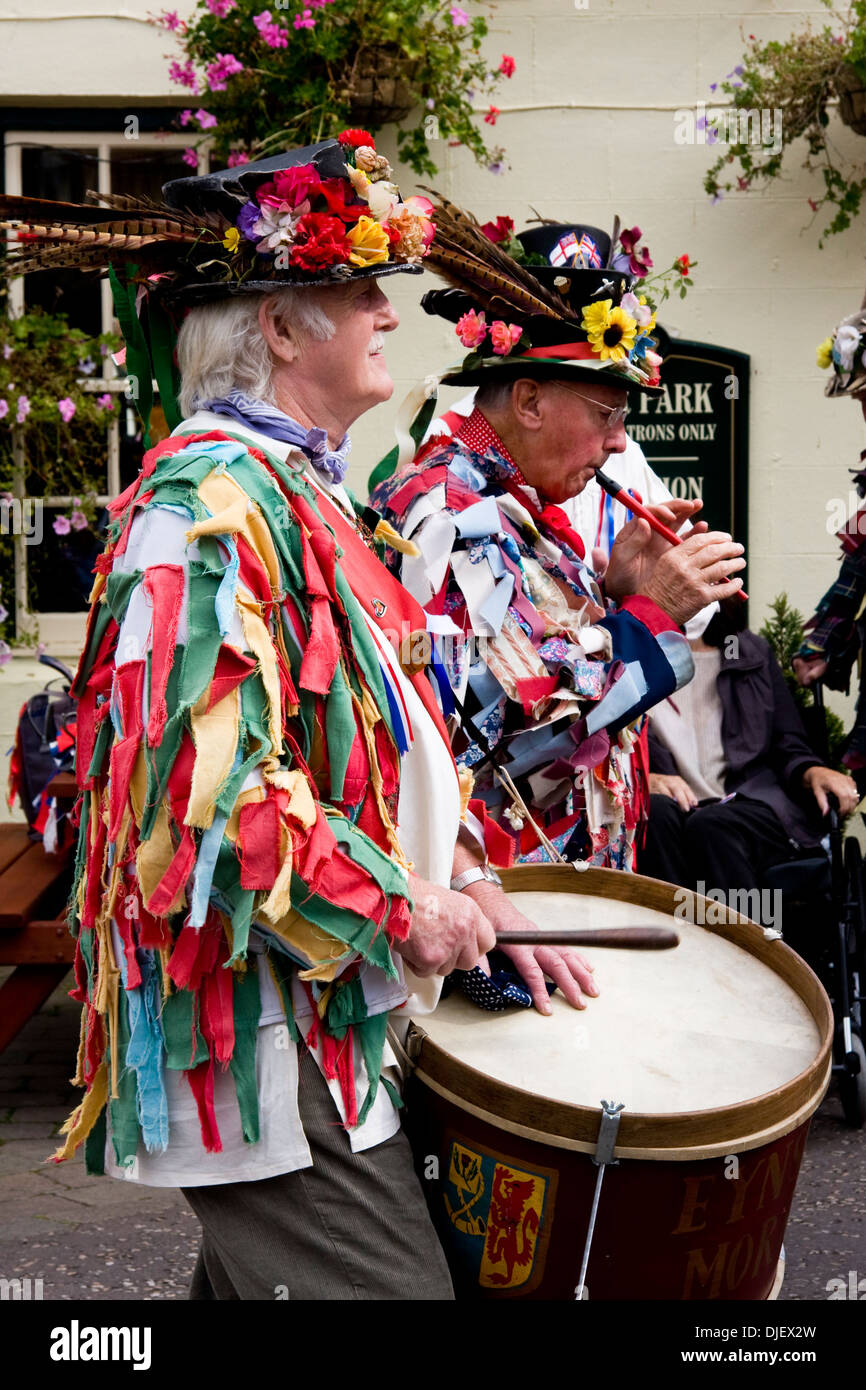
<point x="719" y="1050"/>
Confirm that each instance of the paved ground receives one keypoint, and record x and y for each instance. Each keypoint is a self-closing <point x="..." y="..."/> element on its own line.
<point x="92" y="1238"/>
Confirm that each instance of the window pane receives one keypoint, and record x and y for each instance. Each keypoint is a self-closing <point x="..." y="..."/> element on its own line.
<point x="65" y="175"/>
<point x="142" y="172"/>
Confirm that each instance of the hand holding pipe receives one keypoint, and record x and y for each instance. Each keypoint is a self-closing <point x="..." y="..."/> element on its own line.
<point x="632" y="505"/>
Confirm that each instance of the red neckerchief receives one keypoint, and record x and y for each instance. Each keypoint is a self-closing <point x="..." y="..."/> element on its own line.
<point x="479" y="435"/>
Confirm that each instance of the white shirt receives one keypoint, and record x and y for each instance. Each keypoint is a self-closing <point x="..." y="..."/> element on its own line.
<point x="428" y="819"/>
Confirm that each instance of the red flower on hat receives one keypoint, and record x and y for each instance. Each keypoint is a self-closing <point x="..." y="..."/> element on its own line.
<point x="504" y="336"/>
<point x="291" y="186"/>
<point x="333" y="192"/>
<point x="354" y="138"/>
<point x="320" y="241"/>
<point x="500" y="230"/>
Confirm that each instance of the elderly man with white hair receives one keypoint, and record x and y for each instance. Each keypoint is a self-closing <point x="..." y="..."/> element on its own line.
<point x="270" y="808"/>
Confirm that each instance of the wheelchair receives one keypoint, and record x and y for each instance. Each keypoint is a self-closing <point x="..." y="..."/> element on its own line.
<point x="824" y="921"/>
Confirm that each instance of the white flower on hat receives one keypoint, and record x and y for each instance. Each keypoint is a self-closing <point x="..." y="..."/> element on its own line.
<point x="641" y="313"/>
<point x="847" y="340"/>
<point x="382" y="197"/>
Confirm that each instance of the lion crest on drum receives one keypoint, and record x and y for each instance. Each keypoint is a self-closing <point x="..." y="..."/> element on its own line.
<point x="502" y="1207"/>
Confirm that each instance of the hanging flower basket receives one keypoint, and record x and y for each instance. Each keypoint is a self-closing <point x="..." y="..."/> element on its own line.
<point x="379" y="87"/>
<point x="852" y="98"/>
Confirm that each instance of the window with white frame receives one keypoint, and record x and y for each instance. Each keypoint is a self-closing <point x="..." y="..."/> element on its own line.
<point x="64" y="166"/>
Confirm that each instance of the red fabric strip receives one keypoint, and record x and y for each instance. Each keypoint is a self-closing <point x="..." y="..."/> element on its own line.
<point x="258" y="844"/>
<point x="232" y="667"/>
<point x="200" y="1079"/>
<point x="649" y="614"/>
<point x="567" y="352"/>
<point x="164" y="586"/>
<point x="497" y="842"/>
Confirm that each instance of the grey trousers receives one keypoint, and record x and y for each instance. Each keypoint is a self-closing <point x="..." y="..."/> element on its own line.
<point x="354" y="1226"/>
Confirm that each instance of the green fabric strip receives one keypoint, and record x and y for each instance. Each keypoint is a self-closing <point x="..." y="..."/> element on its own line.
<point x="283" y="970"/>
<point x="200" y="656"/>
<point x="100" y="623"/>
<point x="118" y="592"/>
<point x="347" y="1007"/>
<point x="163" y="341"/>
<point x="139" y="367"/>
<point x="184" y="1045"/>
<point x="247" y="1011"/>
<point x="94" y="1146"/>
<point x="340" y="732"/>
<point x="124" y="1110"/>
<point x="371" y="1036"/>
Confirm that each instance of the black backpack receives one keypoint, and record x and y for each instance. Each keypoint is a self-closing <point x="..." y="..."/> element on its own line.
<point x="44" y="746"/>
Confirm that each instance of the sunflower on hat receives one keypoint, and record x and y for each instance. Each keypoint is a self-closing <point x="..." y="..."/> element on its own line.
<point x="610" y="331"/>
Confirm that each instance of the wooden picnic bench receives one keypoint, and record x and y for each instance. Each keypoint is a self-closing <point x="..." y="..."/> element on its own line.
<point x="34" y="937"/>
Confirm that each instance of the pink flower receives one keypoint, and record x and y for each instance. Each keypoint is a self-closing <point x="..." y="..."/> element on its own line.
<point x="67" y="409"/>
<point x="5" y="653"/>
<point x="490" y="118"/>
<point x="220" y="7"/>
<point x="304" y="21"/>
<point x="237" y="157"/>
<point x="507" y="66"/>
<point x="459" y="17"/>
<point x="504" y="336"/>
<point x="61" y="525"/>
<point x="190" y="157"/>
<point x="7" y="352"/>
<point x="422" y="208"/>
<point x="23" y="409"/>
<point x="170" y="19"/>
<point x="184" y="75"/>
<point x="4" y="409"/>
<point x="79" y="521"/>
<point x="105" y="402"/>
<point x="273" y="34"/>
<point x="206" y="119"/>
<point x="226" y="66"/>
<point x="472" y="329"/>
<point x="185" y="116"/>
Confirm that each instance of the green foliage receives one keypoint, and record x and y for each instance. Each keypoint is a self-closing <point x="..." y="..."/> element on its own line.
<point x="43" y="363"/>
<point x="359" y="57"/>
<point x="798" y="77"/>
<point x="784" y="632"/>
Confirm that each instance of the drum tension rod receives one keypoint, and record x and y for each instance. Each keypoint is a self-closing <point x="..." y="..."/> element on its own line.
<point x="604" y="1147"/>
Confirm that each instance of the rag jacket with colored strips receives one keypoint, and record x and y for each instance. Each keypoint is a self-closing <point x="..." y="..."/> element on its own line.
<point x="552" y="675"/>
<point x="239" y="766"/>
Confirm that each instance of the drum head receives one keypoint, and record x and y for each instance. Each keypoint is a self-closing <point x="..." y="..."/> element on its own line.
<point x="726" y="1022"/>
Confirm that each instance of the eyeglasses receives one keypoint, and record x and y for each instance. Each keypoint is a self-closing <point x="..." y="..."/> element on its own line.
<point x="615" y="414"/>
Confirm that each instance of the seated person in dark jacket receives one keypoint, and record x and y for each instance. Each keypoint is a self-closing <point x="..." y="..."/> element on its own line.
<point x="735" y="787"/>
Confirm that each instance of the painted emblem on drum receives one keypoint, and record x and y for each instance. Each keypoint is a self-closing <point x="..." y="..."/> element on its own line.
<point x="498" y="1211"/>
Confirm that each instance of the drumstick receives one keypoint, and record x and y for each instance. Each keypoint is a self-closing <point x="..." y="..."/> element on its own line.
<point x="632" y="505"/>
<point x="633" y="938"/>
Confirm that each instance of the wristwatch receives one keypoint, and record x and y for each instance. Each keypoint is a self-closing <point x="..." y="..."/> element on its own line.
<point x="474" y="876"/>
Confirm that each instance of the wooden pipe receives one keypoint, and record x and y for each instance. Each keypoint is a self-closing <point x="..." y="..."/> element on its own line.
<point x="628" y="938"/>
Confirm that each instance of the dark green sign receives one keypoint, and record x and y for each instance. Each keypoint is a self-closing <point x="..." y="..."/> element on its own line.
<point x="696" y="434"/>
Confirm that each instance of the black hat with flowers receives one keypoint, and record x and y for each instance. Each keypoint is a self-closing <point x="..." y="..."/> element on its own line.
<point x="845" y="351"/>
<point x="320" y="215"/>
<point x="555" y="300"/>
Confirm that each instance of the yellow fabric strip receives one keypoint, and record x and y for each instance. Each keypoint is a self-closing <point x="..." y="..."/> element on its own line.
<point x="215" y="734"/>
<point x="369" y="717"/>
<point x="82" y="1120"/>
<point x="153" y="856"/>
<point x="385" y="532"/>
<point x="226" y="501"/>
<point x="261" y="645"/>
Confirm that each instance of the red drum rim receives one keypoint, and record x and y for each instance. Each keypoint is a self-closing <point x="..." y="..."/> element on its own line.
<point x="683" y="1136"/>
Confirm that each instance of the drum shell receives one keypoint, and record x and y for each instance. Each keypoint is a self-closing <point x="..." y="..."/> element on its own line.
<point x="696" y="1206"/>
<point x="704" y="1230"/>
